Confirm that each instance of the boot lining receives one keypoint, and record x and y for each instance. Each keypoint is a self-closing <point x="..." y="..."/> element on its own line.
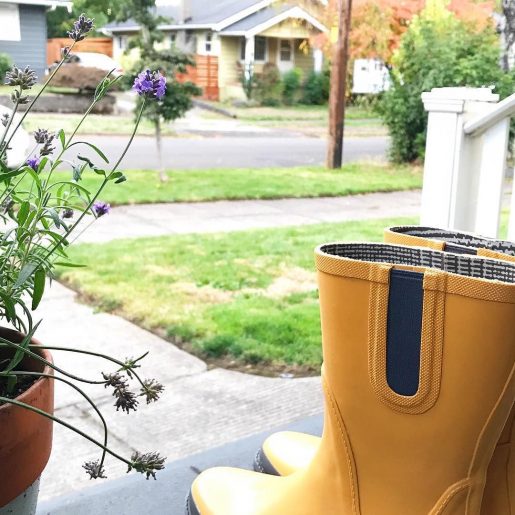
<point x="414" y="256"/>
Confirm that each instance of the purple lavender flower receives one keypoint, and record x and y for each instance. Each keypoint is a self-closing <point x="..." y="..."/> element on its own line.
<point x="150" y="84"/>
<point x="33" y="162"/>
<point x="101" y="208"/>
<point x="81" y="28"/>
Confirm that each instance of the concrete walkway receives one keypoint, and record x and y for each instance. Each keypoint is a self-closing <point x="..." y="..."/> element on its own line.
<point x="201" y="408"/>
<point x="206" y="217"/>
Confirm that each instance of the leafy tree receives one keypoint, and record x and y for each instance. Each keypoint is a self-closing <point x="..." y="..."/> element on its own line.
<point x="171" y="62"/>
<point x="58" y="20"/>
<point x="378" y="25"/>
<point x="438" y="50"/>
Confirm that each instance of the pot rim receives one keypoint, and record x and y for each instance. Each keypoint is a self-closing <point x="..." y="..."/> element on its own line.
<point x="37" y="384"/>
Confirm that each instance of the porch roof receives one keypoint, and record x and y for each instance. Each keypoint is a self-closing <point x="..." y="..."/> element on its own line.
<point x="269" y="17"/>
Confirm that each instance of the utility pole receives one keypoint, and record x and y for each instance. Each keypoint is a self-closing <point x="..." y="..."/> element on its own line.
<point x="340" y="59"/>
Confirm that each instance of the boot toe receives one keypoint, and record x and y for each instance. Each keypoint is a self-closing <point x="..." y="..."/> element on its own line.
<point x="286" y="452"/>
<point x="228" y="491"/>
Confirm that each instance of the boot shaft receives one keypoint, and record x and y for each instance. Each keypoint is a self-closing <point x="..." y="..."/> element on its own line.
<point x="426" y="425"/>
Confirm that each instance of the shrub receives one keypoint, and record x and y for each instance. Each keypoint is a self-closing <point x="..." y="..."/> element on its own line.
<point x="268" y="85"/>
<point x="80" y="77"/>
<point x="437" y="50"/>
<point x="291" y="85"/>
<point x="315" y="90"/>
<point x="5" y="65"/>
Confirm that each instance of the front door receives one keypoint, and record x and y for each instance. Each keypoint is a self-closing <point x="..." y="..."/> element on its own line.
<point x="286" y="55"/>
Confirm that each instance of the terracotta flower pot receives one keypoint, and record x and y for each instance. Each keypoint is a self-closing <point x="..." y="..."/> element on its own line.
<point x="25" y="437"/>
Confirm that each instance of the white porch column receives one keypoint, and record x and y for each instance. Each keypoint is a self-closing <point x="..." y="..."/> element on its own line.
<point x="249" y="56"/>
<point x="318" y="58"/>
<point x="454" y="161"/>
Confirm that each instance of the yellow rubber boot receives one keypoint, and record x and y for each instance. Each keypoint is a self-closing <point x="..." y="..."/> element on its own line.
<point x="384" y="452"/>
<point x="286" y="452"/>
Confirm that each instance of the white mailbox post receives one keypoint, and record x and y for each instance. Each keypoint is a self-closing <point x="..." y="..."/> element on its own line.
<point x="465" y="163"/>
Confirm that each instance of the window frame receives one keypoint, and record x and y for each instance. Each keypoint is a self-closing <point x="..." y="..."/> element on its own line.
<point x="243" y="45"/>
<point x="208" y="43"/>
<point x="291" y="50"/>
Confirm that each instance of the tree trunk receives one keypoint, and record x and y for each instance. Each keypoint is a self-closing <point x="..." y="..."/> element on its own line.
<point x="162" y="175"/>
<point x="507" y="29"/>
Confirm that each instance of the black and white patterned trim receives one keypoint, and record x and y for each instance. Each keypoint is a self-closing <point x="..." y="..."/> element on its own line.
<point x="468" y="266"/>
<point x="459" y="242"/>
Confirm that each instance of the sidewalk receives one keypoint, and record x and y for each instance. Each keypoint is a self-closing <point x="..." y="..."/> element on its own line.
<point x="223" y="216"/>
<point x="202" y="408"/>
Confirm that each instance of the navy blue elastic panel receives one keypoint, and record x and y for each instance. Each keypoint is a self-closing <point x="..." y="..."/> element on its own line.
<point x="404" y="331"/>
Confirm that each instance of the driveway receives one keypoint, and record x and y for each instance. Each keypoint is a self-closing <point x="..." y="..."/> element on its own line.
<point x="234" y="151"/>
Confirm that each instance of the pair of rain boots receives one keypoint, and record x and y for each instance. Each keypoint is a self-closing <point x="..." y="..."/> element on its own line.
<point x="419" y="382"/>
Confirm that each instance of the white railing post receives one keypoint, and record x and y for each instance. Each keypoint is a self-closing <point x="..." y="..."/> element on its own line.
<point x="466" y="148"/>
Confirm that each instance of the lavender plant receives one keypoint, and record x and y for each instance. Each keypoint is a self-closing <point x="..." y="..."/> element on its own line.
<point x="41" y="212"/>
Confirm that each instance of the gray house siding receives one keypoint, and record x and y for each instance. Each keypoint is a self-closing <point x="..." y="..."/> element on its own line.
<point x="31" y="50"/>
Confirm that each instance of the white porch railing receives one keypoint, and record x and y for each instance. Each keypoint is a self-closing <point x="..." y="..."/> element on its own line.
<point x="465" y="164"/>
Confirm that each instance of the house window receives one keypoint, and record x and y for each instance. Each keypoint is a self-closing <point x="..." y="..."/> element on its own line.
<point x="122" y="42"/>
<point x="173" y="39"/>
<point x="286" y="50"/>
<point x="260" y="49"/>
<point x="209" y="42"/>
<point x="10" y="22"/>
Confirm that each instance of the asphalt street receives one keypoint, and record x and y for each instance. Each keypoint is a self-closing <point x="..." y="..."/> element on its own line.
<point x="232" y="151"/>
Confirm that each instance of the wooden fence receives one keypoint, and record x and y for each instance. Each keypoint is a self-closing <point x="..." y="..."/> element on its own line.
<point x="99" y="45"/>
<point x="204" y="75"/>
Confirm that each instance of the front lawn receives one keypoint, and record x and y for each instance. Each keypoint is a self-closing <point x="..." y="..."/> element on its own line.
<point x="143" y="186"/>
<point x="238" y="298"/>
<point x="98" y="124"/>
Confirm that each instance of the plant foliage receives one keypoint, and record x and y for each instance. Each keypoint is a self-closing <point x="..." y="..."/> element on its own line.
<point x="438" y="50"/>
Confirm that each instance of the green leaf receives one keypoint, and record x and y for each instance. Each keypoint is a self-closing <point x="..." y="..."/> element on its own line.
<point x="69" y="265"/>
<point x="12" y="173"/>
<point x="58" y="238"/>
<point x="55" y="217"/>
<point x="23" y="213"/>
<point x="117" y="177"/>
<point x="93" y="147"/>
<point x="19" y="355"/>
<point x="25" y="273"/>
<point x="42" y="164"/>
<point x="10" y="308"/>
<point x="39" y="287"/>
<point x="62" y="137"/>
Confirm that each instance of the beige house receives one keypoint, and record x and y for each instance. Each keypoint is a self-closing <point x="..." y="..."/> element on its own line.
<point x="228" y="36"/>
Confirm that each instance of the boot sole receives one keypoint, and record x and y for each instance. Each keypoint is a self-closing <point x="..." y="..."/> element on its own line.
<point x="191" y="508"/>
<point x="262" y="464"/>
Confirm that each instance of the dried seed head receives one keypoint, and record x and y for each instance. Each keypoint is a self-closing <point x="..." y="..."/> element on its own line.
<point x="115" y="380"/>
<point x="48" y="146"/>
<point x="25" y="78"/>
<point x="67" y="213"/>
<point x="126" y="400"/>
<point x="152" y="390"/>
<point x="65" y="53"/>
<point x="81" y="28"/>
<point x="41" y="136"/>
<point x="148" y="463"/>
<point x="94" y="469"/>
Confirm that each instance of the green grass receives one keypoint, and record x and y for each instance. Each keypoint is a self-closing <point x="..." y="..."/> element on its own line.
<point x="296" y="113"/>
<point x="7" y="90"/>
<point x="249" y="296"/>
<point x="143" y="186"/>
<point x="95" y="124"/>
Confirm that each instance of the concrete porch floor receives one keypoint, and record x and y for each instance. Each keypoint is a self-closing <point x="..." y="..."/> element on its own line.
<point x="133" y="495"/>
